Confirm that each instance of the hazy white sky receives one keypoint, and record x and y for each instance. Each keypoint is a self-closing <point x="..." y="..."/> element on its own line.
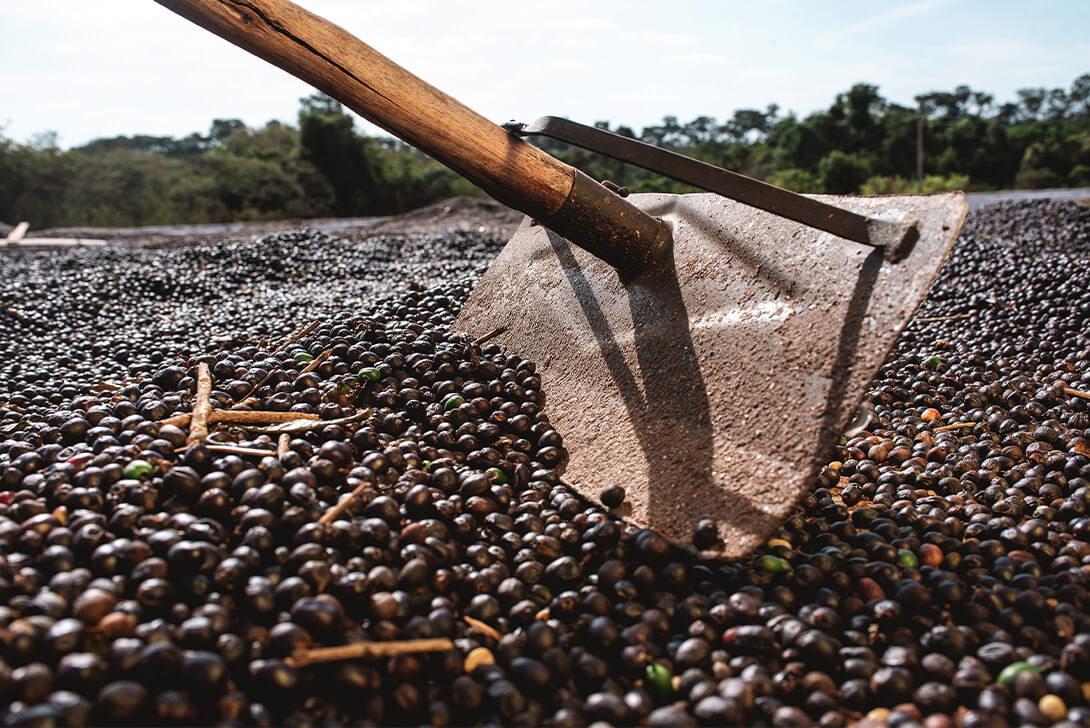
<point x="107" y="67"/>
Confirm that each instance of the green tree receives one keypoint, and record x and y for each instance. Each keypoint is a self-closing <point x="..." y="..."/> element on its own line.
<point x="797" y="144"/>
<point x="34" y="179"/>
<point x="1080" y="95"/>
<point x="746" y="124"/>
<point x="668" y="134"/>
<point x="261" y="174"/>
<point x="1053" y="161"/>
<point x="797" y="180"/>
<point x="223" y="128"/>
<point x="1032" y="100"/>
<point x="862" y="105"/>
<point x="1058" y="105"/>
<point x="841" y="173"/>
<point x="346" y="159"/>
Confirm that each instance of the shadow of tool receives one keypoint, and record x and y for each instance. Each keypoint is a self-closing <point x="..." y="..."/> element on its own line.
<point x="739" y="252"/>
<point x="670" y="413"/>
<point x="834" y="419"/>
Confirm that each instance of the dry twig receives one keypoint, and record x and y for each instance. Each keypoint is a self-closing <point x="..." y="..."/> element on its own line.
<point x="233" y="450"/>
<point x="331" y="515"/>
<point x="486" y="629"/>
<point x="316" y="362"/>
<point x="260" y="384"/>
<point x="490" y="335"/>
<point x="358" y="650"/>
<point x="296" y="336"/>
<point x="1076" y="393"/>
<point x="242" y="417"/>
<point x="202" y="407"/>
<point x="958" y="426"/>
<point x="311" y="422"/>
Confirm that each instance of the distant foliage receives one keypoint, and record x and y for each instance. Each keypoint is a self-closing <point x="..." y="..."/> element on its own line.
<point x="324" y="166"/>
<point x="797" y="180"/>
<point x="841" y="173"/>
<point x="901" y="186"/>
<point x="865" y="143"/>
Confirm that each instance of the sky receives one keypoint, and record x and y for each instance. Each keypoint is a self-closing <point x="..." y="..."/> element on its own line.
<point x="109" y="67"/>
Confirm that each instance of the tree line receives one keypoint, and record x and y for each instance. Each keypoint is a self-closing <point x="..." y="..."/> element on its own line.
<point x="323" y="166"/>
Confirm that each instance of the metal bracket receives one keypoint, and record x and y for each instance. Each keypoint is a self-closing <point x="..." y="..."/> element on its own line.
<point x="897" y="238"/>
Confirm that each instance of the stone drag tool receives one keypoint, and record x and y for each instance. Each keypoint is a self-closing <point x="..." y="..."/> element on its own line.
<point x="704" y="351"/>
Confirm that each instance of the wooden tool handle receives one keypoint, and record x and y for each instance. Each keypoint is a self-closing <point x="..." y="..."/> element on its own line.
<point x="511" y="170"/>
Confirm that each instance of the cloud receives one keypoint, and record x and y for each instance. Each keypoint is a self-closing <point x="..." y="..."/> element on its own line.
<point x="659" y="39"/>
<point x="701" y="58"/>
<point x="1020" y="61"/>
<point x="882" y="19"/>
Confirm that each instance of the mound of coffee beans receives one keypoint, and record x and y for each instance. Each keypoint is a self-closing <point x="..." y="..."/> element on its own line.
<point x="936" y="575"/>
<point x="74" y="318"/>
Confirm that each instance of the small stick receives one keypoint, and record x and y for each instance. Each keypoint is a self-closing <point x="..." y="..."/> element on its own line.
<point x="1076" y="393"/>
<point x="490" y="335"/>
<point x="282" y="445"/>
<point x="232" y="450"/>
<point x="486" y="629"/>
<point x="302" y="658"/>
<point x="295" y="337"/>
<point x="260" y="384"/>
<point x="245" y="416"/>
<point x="202" y="407"/>
<point x="316" y="362"/>
<point x="256" y="417"/>
<point x="176" y="420"/>
<point x="958" y="426"/>
<point x="306" y="424"/>
<point x="331" y="515"/>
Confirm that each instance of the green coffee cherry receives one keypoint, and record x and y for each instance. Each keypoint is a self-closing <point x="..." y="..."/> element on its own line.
<point x="370" y="374"/>
<point x="774" y="564"/>
<point x="659" y="679"/>
<point x="138" y="469"/>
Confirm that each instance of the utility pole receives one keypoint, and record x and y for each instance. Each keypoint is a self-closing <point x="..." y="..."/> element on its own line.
<point x="919" y="149"/>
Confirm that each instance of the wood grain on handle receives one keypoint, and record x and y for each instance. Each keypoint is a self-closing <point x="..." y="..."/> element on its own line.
<point x="336" y="62"/>
<point x="511" y="170"/>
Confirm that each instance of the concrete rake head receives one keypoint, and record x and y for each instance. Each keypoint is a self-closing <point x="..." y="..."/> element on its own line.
<point x="715" y="384"/>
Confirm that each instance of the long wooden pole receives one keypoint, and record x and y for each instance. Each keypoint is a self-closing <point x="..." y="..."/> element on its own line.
<point x="503" y="165"/>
